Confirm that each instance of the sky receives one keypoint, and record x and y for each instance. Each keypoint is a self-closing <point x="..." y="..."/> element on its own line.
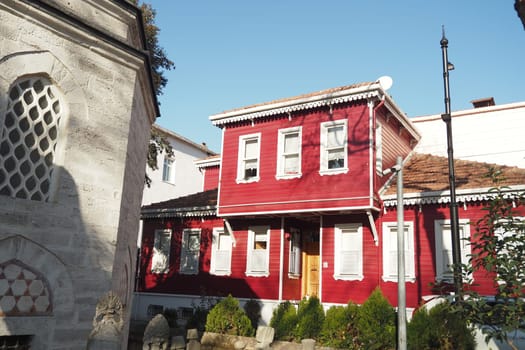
<point x="234" y="53"/>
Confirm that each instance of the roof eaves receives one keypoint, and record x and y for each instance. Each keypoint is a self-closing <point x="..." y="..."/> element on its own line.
<point x="210" y="210"/>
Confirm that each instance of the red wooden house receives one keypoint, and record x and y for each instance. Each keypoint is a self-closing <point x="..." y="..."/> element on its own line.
<point x="298" y="205"/>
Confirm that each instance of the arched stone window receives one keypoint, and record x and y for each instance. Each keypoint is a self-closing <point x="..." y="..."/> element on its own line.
<point x="28" y="139"/>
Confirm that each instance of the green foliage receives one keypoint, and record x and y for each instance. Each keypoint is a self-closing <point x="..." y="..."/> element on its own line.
<point x="227" y="317"/>
<point x="498" y="249"/>
<point x="284" y="321"/>
<point x="340" y="327"/>
<point x="377" y="323"/>
<point x="310" y="314"/>
<point x="252" y="308"/>
<point x="441" y="328"/>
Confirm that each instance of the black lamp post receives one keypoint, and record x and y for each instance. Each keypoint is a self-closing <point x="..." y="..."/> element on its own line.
<point x="454" y="225"/>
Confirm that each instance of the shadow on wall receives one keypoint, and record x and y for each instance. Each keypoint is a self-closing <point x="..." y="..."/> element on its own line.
<point x="53" y="268"/>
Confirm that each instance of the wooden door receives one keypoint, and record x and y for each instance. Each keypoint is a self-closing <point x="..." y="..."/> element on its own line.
<point x="311" y="269"/>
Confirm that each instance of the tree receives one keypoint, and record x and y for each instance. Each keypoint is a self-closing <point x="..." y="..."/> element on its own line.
<point x="498" y="248"/>
<point x="159" y="64"/>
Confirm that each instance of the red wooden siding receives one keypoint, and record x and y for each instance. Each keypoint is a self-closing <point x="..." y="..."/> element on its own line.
<point x="311" y="191"/>
<point x="211" y="178"/>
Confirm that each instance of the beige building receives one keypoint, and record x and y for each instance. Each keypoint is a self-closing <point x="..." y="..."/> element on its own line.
<point x="76" y="106"/>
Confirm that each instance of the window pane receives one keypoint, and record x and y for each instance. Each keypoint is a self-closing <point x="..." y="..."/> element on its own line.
<point x="251" y="148"/>
<point x="225" y="242"/>
<point x="193" y="241"/>
<point x="336" y="159"/>
<point x="335" y="136"/>
<point x="291" y="143"/>
<point x="250" y="169"/>
<point x="291" y="164"/>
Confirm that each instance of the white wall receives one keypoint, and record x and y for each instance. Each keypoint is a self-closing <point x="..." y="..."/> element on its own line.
<point x="490" y="134"/>
<point x="188" y="179"/>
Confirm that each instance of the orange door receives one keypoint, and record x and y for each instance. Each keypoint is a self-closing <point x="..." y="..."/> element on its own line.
<point x="310" y="269"/>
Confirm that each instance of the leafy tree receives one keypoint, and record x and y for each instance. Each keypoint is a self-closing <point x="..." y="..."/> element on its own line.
<point x="377" y="323"/>
<point x="310" y="315"/>
<point x="340" y="327"/>
<point x="498" y="249"/>
<point x="284" y="320"/>
<point x="227" y="317"/>
<point x="159" y="64"/>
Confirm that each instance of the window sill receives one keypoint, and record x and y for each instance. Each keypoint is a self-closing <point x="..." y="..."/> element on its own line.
<point x="188" y="272"/>
<point x="243" y="181"/>
<point x="410" y="279"/>
<point x="288" y="176"/>
<point x="257" y="274"/>
<point x="294" y="276"/>
<point x="349" y="277"/>
<point x="221" y="273"/>
<point x="333" y="171"/>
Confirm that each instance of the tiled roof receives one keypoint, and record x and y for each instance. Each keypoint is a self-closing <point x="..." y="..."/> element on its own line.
<point x="197" y="204"/>
<point x="428" y="173"/>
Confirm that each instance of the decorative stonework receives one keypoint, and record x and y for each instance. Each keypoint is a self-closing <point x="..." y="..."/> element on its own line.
<point x="29" y="137"/>
<point x="23" y="292"/>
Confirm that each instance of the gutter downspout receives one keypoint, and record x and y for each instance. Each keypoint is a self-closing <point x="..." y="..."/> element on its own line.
<point x="281" y="262"/>
<point x="230" y="231"/>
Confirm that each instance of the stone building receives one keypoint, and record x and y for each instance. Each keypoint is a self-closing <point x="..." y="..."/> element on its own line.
<point x="76" y="107"/>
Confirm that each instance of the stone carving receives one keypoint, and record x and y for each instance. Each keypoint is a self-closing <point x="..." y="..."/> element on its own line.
<point x="107" y="323"/>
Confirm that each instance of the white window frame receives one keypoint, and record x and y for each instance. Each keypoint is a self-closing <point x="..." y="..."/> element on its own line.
<point x="282" y="155"/>
<point x="342" y="256"/>
<point x="390" y="251"/>
<point x="294" y="260"/>
<point x="160" y="259"/>
<point x="242" y="158"/>
<point x="379" y="149"/>
<point x="221" y="252"/>
<point x="258" y="260"/>
<point x="168" y="170"/>
<point x="189" y="256"/>
<point x="325" y="149"/>
<point x="442" y="229"/>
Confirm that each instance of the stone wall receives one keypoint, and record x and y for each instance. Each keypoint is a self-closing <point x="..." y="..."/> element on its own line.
<point x="72" y="240"/>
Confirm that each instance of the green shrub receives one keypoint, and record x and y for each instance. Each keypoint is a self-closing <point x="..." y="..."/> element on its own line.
<point x="227" y="317"/>
<point x="340" y="327"/>
<point x="253" y="311"/>
<point x="439" y="329"/>
<point x="310" y="315"/>
<point x="284" y="321"/>
<point x="377" y="323"/>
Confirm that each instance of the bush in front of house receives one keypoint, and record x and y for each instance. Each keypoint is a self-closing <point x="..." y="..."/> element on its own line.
<point x="340" y="327"/>
<point x="284" y="321"/>
<point x="227" y="317"/>
<point x="439" y="328"/>
<point x="377" y="323"/>
<point x="310" y="316"/>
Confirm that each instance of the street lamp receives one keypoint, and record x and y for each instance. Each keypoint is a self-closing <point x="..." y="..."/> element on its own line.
<point x="454" y="226"/>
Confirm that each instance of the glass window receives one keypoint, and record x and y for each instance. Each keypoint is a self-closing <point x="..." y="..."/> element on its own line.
<point x="161" y="251"/>
<point x="289" y="153"/>
<point x="334" y="154"/>
<point x="248" y="163"/>
<point x="444" y="260"/>
<point x="258" y="251"/>
<point x="168" y="170"/>
<point x="190" y="252"/>
<point x="390" y="251"/>
<point x="348" y="254"/>
<point x="221" y="252"/>
<point x="294" y="266"/>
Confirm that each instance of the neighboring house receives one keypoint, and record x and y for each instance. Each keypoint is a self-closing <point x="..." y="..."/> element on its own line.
<point x="76" y="107"/>
<point x="487" y="133"/>
<point x="300" y="207"/>
<point x="177" y="175"/>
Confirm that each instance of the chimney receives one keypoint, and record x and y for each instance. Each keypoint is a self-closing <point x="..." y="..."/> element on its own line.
<point x="483" y="102"/>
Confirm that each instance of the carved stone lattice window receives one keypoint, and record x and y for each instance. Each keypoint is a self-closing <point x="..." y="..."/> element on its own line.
<point x="28" y="139"/>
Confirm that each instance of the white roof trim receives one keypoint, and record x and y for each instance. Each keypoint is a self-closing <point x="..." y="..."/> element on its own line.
<point x="462" y="196"/>
<point x="207" y="162"/>
<point x="178" y="212"/>
<point x="292" y="105"/>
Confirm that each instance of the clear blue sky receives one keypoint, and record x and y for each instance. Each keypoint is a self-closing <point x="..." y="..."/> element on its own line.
<point x="233" y="53"/>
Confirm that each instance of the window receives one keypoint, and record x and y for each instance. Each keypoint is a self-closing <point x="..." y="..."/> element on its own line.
<point x="28" y="139"/>
<point x="248" y="165"/>
<point x="334" y="155"/>
<point x="161" y="251"/>
<point x="168" y="170"/>
<point x="348" y="254"/>
<point x="190" y="252"/>
<point x="390" y="251"/>
<point x="444" y="261"/>
<point x="294" y="266"/>
<point x="289" y="153"/>
<point x="379" y="149"/>
<point x="258" y="251"/>
<point x="221" y="252"/>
